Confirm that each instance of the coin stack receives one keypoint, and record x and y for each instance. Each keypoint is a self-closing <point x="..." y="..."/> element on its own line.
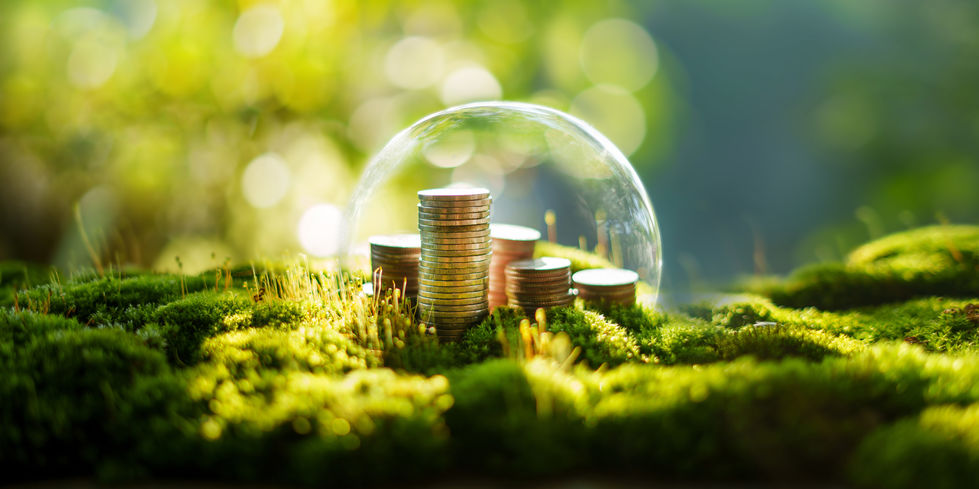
<point x="510" y="243"/>
<point x="394" y="260"/>
<point x="606" y="285"/>
<point x="542" y="282"/>
<point x="453" y="274"/>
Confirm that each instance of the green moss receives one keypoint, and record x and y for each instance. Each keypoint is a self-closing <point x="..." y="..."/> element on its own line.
<point x="483" y="341"/>
<point x="16" y="276"/>
<point x="936" y="323"/>
<point x="187" y="322"/>
<point x="931" y="261"/>
<point x="302" y="427"/>
<point x="425" y="355"/>
<point x="601" y="341"/>
<point x="668" y="337"/>
<point x="835" y="286"/>
<point x="514" y="435"/>
<point x="19" y="328"/>
<point x="128" y="302"/>
<point x="293" y="390"/>
<point x="938" y="449"/>
<point x="682" y="342"/>
<point x="73" y="398"/>
<point x="778" y="342"/>
<point x="310" y="348"/>
<point x="744" y="312"/>
<point x="932" y="248"/>
<point x="788" y="420"/>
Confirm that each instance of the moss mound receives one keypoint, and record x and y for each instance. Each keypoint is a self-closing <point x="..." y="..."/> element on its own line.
<point x="864" y="373"/>
<point x="931" y="261"/>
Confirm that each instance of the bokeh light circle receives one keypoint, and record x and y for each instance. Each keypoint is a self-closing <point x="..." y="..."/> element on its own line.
<point x="619" y="52"/>
<point x="319" y="229"/>
<point x="470" y="84"/>
<point x="258" y="31"/>
<point x="266" y="180"/>
<point x="616" y="112"/>
<point x="535" y="160"/>
<point x="414" y="63"/>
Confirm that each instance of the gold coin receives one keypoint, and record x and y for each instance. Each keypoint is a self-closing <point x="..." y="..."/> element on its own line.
<point x="453" y="206"/>
<point x="465" y="213"/>
<point x="444" y="276"/>
<point x="446" y="262"/>
<point x="454" y="304"/>
<point x="453" y="194"/>
<point x="605" y="277"/>
<point x="461" y="319"/>
<point x="398" y="254"/>
<point x="451" y="224"/>
<point x="455" y="295"/>
<point x="395" y="241"/>
<point x="543" y="264"/>
<point x="447" y="287"/>
<point x="478" y="247"/>
<point x="512" y="233"/>
<point x="443" y="252"/>
<point x="606" y="292"/>
<point x="440" y="236"/>
<point x="440" y="290"/>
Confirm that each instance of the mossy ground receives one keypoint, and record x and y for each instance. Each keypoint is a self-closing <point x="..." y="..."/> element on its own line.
<point x="864" y="373"/>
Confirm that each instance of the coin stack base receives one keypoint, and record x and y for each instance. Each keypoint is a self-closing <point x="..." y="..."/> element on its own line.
<point x="394" y="260"/>
<point x="606" y="286"/>
<point x="542" y="282"/>
<point x="453" y="270"/>
<point x="510" y="243"/>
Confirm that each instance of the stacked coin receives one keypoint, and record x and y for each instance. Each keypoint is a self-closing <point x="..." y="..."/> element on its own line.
<point x="510" y="243"/>
<point x="394" y="260"/>
<point x="606" y="285"/>
<point x="453" y="274"/>
<point x="542" y="282"/>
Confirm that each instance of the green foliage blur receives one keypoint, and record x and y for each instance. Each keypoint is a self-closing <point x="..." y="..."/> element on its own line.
<point x="141" y="131"/>
<point x="768" y="134"/>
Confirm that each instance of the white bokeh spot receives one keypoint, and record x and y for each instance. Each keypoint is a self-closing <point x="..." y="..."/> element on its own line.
<point x="319" y="229"/>
<point x="470" y="84"/>
<point x="258" y="31"/>
<point x="414" y="63"/>
<point x="266" y="180"/>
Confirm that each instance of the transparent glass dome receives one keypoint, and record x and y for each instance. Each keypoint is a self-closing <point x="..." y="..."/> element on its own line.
<point x="536" y="161"/>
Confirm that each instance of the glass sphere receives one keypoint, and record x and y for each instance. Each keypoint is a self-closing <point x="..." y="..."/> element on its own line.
<point x="545" y="169"/>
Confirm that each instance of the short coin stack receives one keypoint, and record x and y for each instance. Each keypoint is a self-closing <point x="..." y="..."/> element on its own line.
<point x="453" y="273"/>
<point x="542" y="282"/>
<point x="606" y="285"/>
<point x="394" y="261"/>
<point x="510" y="243"/>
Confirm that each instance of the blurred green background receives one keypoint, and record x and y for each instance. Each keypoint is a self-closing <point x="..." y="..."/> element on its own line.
<point x="768" y="133"/>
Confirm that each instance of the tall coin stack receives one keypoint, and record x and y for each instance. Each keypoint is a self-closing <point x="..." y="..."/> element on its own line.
<point x="394" y="260"/>
<point x="606" y="285"/>
<point x="542" y="282"/>
<point x="510" y="243"/>
<point x="453" y="273"/>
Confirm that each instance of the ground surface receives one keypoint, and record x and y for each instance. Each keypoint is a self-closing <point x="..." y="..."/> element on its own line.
<point x="863" y="373"/>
